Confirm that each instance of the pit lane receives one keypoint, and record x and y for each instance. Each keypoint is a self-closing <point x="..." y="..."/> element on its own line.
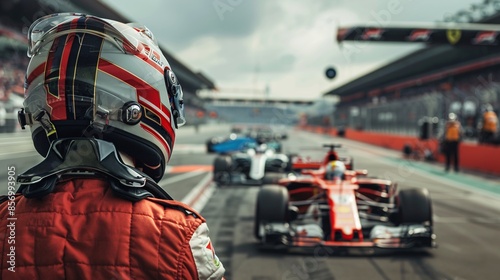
<point x="466" y="223"/>
<point x="467" y="219"/>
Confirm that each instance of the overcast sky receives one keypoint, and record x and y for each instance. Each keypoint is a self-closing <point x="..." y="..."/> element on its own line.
<point x="284" y="45"/>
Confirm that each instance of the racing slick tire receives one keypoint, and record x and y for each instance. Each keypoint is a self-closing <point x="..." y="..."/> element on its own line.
<point x="414" y="206"/>
<point x="272" y="178"/>
<point x="210" y="145"/>
<point x="272" y="206"/>
<point x="222" y="170"/>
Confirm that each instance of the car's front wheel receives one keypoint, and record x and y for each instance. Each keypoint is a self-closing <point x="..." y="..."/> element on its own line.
<point x="414" y="206"/>
<point x="222" y="170"/>
<point x="272" y="207"/>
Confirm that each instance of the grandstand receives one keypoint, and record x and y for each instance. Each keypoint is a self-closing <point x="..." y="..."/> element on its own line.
<point x="255" y="113"/>
<point x="430" y="82"/>
<point x="13" y="63"/>
<point x="243" y="105"/>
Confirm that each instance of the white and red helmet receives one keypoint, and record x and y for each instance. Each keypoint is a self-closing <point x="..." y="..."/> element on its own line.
<point x="335" y="170"/>
<point x="94" y="77"/>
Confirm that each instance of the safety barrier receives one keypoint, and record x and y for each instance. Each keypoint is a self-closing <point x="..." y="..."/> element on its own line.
<point x="482" y="158"/>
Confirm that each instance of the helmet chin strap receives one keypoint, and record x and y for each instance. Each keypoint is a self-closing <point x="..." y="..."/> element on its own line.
<point x="43" y="118"/>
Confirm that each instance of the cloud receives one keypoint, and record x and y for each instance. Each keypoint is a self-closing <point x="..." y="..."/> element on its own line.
<point x="279" y="63"/>
<point x="180" y="23"/>
<point x="286" y="45"/>
<point x="289" y="56"/>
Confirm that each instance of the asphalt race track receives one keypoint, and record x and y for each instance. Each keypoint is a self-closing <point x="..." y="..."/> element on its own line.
<point x="466" y="213"/>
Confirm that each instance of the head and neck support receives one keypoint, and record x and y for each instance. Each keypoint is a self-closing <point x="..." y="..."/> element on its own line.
<point x="84" y="157"/>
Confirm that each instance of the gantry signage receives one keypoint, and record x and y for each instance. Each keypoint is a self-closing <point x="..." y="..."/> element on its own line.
<point x="451" y="34"/>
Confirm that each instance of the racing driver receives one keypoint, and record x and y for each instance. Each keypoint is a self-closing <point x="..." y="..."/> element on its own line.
<point x="103" y="105"/>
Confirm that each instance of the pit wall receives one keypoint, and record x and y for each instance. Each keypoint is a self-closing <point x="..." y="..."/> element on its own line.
<point x="482" y="158"/>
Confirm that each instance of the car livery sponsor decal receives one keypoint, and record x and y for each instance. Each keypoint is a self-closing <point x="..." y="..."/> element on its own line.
<point x="342" y="199"/>
<point x="345" y="209"/>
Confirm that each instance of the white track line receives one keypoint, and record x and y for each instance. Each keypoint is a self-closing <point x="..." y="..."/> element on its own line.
<point x="19" y="154"/>
<point x="200" y="194"/>
<point x="182" y="176"/>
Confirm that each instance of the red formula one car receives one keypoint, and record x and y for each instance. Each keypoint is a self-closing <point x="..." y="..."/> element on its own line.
<point x="355" y="211"/>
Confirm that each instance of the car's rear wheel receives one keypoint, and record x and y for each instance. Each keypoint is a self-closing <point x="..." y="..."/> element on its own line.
<point x="209" y="147"/>
<point x="414" y="206"/>
<point x="222" y="170"/>
<point x="272" y="206"/>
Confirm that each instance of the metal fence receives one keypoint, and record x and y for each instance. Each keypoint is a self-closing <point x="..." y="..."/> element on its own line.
<point x="404" y="115"/>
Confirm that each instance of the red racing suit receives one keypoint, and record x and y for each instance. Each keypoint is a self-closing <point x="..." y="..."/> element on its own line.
<point x="82" y="230"/>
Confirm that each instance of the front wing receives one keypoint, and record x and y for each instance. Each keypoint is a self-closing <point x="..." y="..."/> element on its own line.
<point x="384" y="237"/>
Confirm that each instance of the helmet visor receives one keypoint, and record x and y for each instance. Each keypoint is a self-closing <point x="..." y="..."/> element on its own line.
<point x="48" y="28"/>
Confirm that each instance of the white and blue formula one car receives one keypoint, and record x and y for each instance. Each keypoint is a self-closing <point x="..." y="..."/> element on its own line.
<point x="254" y="165"/>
